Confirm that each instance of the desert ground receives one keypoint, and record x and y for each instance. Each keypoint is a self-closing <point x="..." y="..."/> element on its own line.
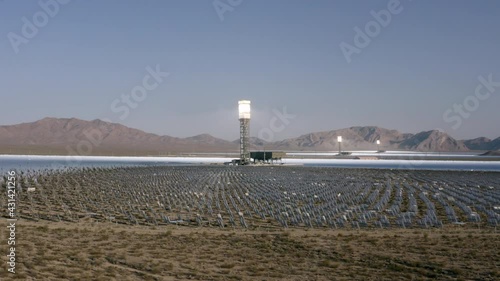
<point x="254" y="223"/>
<point x="104" y="251"/>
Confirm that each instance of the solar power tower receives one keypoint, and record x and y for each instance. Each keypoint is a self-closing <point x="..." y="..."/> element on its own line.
<point x="244" y="116"/>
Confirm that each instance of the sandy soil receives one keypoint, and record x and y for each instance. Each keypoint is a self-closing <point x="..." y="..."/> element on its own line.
<point x="104" y="251"/>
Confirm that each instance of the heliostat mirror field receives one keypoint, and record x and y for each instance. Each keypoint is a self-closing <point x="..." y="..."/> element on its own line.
<point x="261" y="197"/>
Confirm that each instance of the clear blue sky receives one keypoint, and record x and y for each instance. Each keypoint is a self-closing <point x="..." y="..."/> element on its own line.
<point x="275" y="53"/>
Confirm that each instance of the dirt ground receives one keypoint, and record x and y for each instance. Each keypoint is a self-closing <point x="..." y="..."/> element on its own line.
<point x="104" y="251"/>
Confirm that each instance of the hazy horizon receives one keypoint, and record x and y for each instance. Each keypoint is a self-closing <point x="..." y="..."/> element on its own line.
<point x="237" y="138"/>
<point x="280" y="55"/>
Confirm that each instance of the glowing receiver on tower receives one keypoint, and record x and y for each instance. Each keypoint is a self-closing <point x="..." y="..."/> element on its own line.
<point x="244" y="109"/>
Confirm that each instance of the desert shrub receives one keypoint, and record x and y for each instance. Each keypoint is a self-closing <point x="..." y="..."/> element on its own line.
<point x="227" y="265"/>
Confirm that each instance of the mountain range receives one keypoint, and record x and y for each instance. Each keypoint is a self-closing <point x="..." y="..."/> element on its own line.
<point x="75" y="136"/>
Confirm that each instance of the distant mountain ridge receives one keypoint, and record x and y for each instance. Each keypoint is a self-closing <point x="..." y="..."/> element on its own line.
<point x="483" y="144"/>
<point x="355" y="138"/>
<point x="67" y="135"/>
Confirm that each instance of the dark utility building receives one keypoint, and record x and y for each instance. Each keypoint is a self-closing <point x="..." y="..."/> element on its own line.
<point x="267" y="156"/>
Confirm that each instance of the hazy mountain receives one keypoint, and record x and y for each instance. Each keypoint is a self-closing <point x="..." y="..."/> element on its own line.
<point x="432" y="141"/>
<point x="67" y="136"/>
<point x="254" y="143"/>
<point x="365" y="138"/>
<point x="100" y="137"/>
<point x="208" y="139"/>
<point x="483" y="144"/>
<point x="495" y="144"/>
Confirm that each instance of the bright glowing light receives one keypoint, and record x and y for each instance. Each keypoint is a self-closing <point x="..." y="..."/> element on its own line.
<point x="378" y="141"/>
<point x="339" y="138"/>
<point x="244" y="109"/>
